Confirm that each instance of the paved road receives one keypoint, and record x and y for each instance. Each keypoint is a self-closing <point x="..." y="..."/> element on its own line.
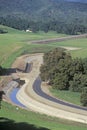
<point x="32" y="97"/>
<point x="39" y="91"/>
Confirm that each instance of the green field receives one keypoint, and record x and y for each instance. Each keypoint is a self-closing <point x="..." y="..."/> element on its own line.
<point x="72" y="97"/>
<point x="26" y="120"/>
<point x="15" y="43"/>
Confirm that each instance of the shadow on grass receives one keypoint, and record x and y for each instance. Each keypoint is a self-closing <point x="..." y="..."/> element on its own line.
<point x="7" y="124"/>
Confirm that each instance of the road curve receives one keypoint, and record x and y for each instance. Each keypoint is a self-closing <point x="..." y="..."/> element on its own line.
<point x="29" y="96"/>
<point x="37" y="88"/>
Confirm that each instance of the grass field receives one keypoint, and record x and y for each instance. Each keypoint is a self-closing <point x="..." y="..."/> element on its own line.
<point x="81" y="44"/>
<point x="26" y="120"/>
<point x="15" y="43"/>
<point x="72" y="97"/>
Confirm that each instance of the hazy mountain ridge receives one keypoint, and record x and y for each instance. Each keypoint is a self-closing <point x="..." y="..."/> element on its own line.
<point x="43" y="11"/>
<point x="33" y="7"/>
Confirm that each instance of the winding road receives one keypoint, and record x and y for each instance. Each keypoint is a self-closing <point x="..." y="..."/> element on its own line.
<point x="34" y="95"/>
<point x="38" y="90"/>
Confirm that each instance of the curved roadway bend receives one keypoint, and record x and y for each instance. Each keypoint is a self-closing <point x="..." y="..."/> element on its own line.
<point x="40" y="92"/>
<point x="32" y="97"/>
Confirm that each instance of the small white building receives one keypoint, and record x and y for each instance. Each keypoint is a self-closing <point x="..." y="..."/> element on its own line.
<point x="28" y="30"/>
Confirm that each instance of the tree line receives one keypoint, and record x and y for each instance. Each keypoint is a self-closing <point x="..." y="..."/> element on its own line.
<point x="59" y="15"/>
<point x="72" y="28"/>
<point x="63" y="72"/>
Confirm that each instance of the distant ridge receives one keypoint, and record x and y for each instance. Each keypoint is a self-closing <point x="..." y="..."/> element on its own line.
<point x="46" y="14"/>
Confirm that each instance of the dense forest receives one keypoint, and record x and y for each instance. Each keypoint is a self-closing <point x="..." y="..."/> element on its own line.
<point x="61" y="16"/>
<point x="64" y="73"/>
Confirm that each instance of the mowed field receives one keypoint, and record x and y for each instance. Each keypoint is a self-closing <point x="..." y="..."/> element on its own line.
<point x="13" y="44"/>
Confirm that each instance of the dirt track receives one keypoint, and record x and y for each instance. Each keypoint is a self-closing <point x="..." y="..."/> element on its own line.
<point x="31" y="100"/>
<point x="60" y="39"/>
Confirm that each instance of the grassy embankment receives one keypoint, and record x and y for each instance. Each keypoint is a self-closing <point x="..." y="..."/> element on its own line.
<point x="17" y="42"/>
<point x="14" y="43"/>
<point x="26" y="120"/>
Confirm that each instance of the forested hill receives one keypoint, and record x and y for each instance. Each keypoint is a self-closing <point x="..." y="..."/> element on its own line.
<point x="40" y="8"/>
<point x="43" y="12"/>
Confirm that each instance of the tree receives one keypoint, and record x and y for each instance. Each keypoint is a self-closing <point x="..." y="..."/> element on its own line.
<point x="63" y="72"/>
<point x="75" y="84"/>
<point x="85" y="65"/>
<point x="55" y="68"/>
<point x="79" y="76"/>
<point x="83" y="98"/>
<point x="60" y="82"/>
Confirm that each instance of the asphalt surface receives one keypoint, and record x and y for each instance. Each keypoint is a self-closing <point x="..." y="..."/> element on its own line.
<point x="37" y="89"/>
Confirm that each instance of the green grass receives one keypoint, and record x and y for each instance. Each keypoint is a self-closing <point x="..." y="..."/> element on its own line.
<point x="39" y="121"/>
<point x="12" y="41"/>
<point x="72" y="97"/>
<point x="77" y="43"/>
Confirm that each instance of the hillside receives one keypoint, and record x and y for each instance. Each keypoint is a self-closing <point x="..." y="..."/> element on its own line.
<point x="41" y="14"/>
<point x="39" y="8"/>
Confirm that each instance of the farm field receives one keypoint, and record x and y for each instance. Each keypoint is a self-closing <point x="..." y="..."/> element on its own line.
<point x="73" y="97"/>
<point x="15" y="43"/>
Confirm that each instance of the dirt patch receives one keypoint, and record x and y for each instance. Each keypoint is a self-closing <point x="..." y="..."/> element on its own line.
<point x="4" y="81"/>
<point x="29" y="98"/>
<point x="19" y="64"/>
<point x="70" y="48"/>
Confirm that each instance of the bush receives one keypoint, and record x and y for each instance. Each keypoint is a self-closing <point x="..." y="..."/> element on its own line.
<point x="83" y="98"/>
<point x="3" y="31"/>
